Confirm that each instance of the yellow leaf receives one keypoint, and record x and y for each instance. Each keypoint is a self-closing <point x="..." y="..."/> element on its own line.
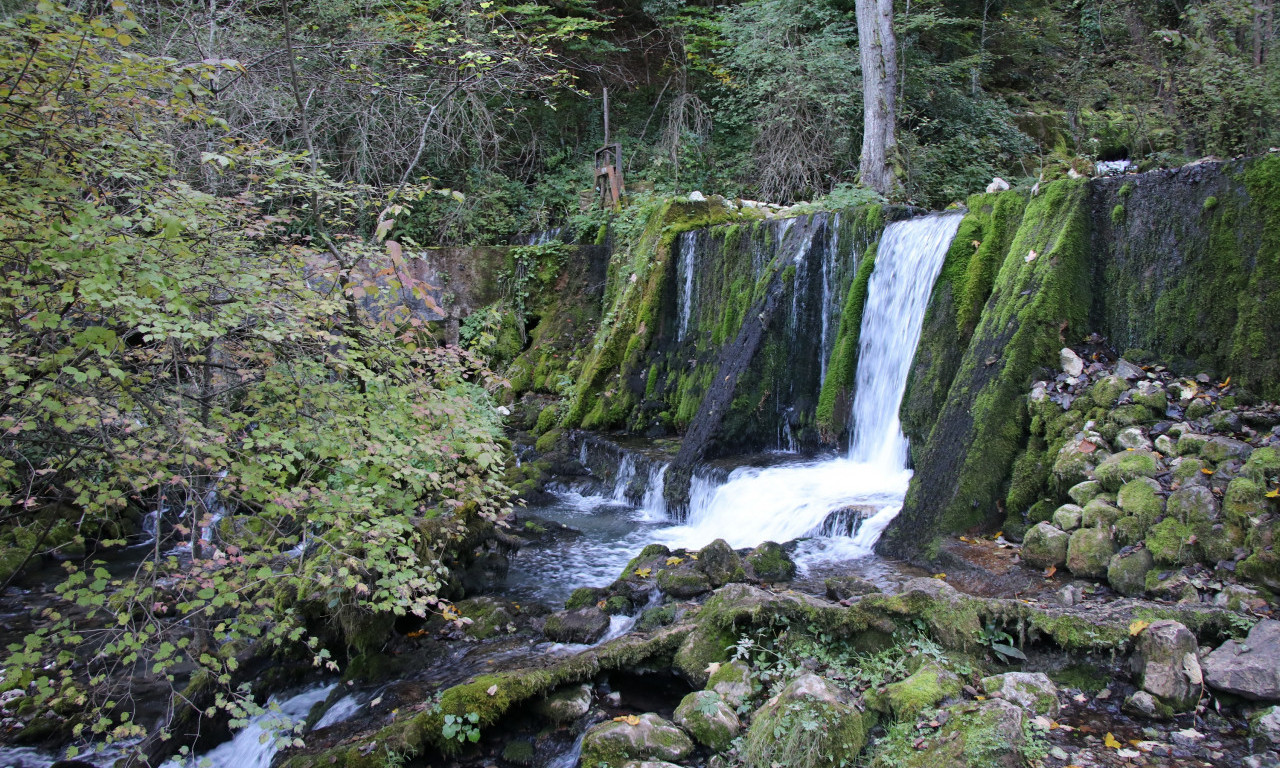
<point x="643" y="572"/>
<point x="124" y="38"/>
<point x="1206" y="471"/>
<point x="1137" y="626"/>
<point x="628" y="719"/>
<point x="1111" y="742"/>
<point x="1224" y="384"/>
<point x="939" y="575"/>
<point x="675" y="560"/>
<point x="1273" y="494"/>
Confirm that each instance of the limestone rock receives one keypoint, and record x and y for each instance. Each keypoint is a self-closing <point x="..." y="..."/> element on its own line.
<point x="1077" y="459"/>
<point x="1098" y="513"/>
<point x="615" y="742"/>
<point x="1033" y="691"/>
<point x="1127" y="571"/>
<point x="709" y="718"/>
<point x="774" y="738"/>
<point x="585" y="625"/>
<point x="1067" y="517"/>
<point x="1071" y="363"/>
<point x="1219" y="448"/>
<point x="1045" y="546"/>
<point x="684" y="581"/>
<point x="925" y="688"/>
<point x="1089" y="552"/>
<point x="1083" y="493"/>
<point x="1133" y="438"/>
<point x="1193" y="504"/>
<point x="1129" y="371"/>
<point x="770" y="563"/>
<point x="566" y="706"/>
<point x="1166" y="665"/>
<point x="997" y="185"/>
<point x="1250" y="669"/>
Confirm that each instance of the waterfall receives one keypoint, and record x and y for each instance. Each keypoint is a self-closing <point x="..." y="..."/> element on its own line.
<point x="867" y="486"/>
<point x="257" y="743"/>
<point x="684" y="293"/>
<point x="622" y="481"/>
<point x="830" y="307"/>
<point x="653" y="507"/>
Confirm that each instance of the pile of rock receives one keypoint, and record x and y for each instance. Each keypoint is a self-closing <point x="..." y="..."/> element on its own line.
<point x="1158" y="484"/>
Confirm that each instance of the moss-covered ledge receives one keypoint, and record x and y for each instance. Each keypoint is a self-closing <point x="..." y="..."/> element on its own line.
<point x="420" y="729"/>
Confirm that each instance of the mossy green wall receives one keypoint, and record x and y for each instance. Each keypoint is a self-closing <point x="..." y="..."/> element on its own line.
<point x="1039" y="302"/>
<point x="1190" y="274"/>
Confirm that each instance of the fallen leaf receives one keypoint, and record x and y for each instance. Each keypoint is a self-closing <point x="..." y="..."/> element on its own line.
<point x="1111" y="742"/>
<point x="492" y="690"/>
<point x="628" y="719"/>
<point x="1030" y="257"/>
<point x="713" y="668"/>
<point x="675" y="560"/>
<point x="939" y="575"/>
<point x="1224" y="384"/>
<point x="1086" y="447"/>
<point x="1048" y="574"/>
<point x="1137" y="626"/>
<point x="1206" y="471"/>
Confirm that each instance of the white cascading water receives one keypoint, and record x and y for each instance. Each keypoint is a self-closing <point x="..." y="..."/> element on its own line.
<point x="792" y="501"/>
<point x="684" y="293"/>
<point x="256" y="744"/>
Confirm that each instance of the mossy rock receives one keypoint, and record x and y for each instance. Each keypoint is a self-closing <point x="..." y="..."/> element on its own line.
<point x="1098" y="513"/>
<point x="1191" y="443"/>
<point x="1138" y="498"/>
<point x="488" y="616"/>
<point x="1119" y="468"/>
<point x="1172" y="543"/>
<point x="1067" y="517"/>
<point x="702" y="648"/>
<point x="549" y="442"/>
<point x="1129" y="415"/>
<point x="584" y="597"/>
<point x="1189" y="471"/>
<point x="1130" y="530"/>
<point x="566" y="706"/>
<point x="1156" y="400"/>
<point x="1107" y="390"/>
<point x="809" y="724"/>
<point x="720" y="563"/>
<point x="1198" y="409"/>
<point x="1089" y="552"/>
<point x="659" y="616"/>
<point x="684" y="581"/>
<point x="1033" y="691"/>
<point x="1072" y="465"/>
<point x="1192" y="504"/>
<point x="519" y="752"/>
<point x="646" y="737"/>
<point x="585" y="625"/>
<point x="732" y="680"/>
<point x="1084" y="492"/>
<point x="1045" y="546"/>
<point x="986" y="734"/>
<point x="1245" y="502"/>
<point x="1127" y="571"/>
<point x="770" y="563"/>
<point x="709" y="719"/>
<point x="1263" y="466"/>
<point x="926" y="688"/>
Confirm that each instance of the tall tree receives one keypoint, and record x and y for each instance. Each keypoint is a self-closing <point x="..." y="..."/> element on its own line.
<point x="879" y="54"/>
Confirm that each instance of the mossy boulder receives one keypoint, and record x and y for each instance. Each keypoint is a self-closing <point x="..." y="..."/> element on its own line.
<point x="709" y="718"/>
<point x="1130" y="530"/>
<point x="732" y="680"/>
<point x="1173" y="543"/>
<point x="1119" y="468"/>
<point x="926" y="688"/>
<point x="1190" y="471"/>
<point x="985" y="734"/>
<point x="1089" y="552"/>
<point x="809" y="724"/>
<point x="567" y="705"/>
<point x="1263" y="466"/>
<point x="1045" y="546"/>
<point x="1127" y="571"/>
<point x="1244" y="502"/>
<point x="1192" y="504"/>
<point x="1166" y="665"/>
<point x="585" y="597"/>
<point x="720" y="563"/>
<point x="1139" y="498"/>
<point x="1133" y="438"/>
<point x="684" y="581"/>
<point x="644" y="737"/>
<point x="1033" y="691"/>
<point x="770" y="563"/>
<point x="585" y="625"/>
<point x="1098" y="513"/>
<point x="701" y="650"/>
<point x="1077" y="459"/>
<point x="1107" y="390"/>
<point x="1067" y="517"/>
<point x="1128" y="415"/>
<point x="1190" y="443"/>
<point x="1218" y="449"/>
<point x="1085" y="492"/>
<point x="488" y="616"/>
<point x="846" y="587"/>
<point x="519" y="752"/>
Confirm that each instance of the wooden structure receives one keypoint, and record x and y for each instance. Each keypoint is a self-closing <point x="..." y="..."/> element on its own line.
<point x="609" y="187"/>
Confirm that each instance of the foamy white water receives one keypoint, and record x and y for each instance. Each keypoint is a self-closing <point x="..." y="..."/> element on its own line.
<point x="795" y="500"/>
<point x="256" y="744"/>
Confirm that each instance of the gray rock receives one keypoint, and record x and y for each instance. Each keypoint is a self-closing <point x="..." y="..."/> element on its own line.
<point x="1077" y="458"/>
<point x="566" y="706"/>
<point x="1045" y="546"/>
<point x="1070" y="362"/>
<point x="720" y="563"/>
<point x="774" y="738"/>
<point x="585" y="625"/>
<point x="1250" y="669"/>
<point x="1127" y="370"/>
<point x="1191" y="504"/>
<point x="1127" y="571"/>
<point x="732" y="680"/>
<point x="616" y="742"/>
<point x="1166" y="445"/>
<point x="1268" y="725"/>
<point x="1134" y="438"/>
<point x="1218" y="448"/>
<point x="1083" y="493"/>
<point x="770" y="563"/>
<point x="845" y="587"/>
<point x="1144" y="704"/>
<point x="1166" y="664"/>
<point x="1033" y="691"/>
<point x="709" y="718"/>
<point x="1067" y="517"/>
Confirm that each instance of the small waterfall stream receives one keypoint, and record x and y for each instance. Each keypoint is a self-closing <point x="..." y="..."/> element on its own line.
<point x="790" y="501"/>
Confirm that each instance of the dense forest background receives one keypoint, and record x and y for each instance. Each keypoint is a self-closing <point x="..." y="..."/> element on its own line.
<point x="758" y="99"/>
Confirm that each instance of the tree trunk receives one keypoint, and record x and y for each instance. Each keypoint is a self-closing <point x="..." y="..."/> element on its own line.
<point x="879" y="54"/>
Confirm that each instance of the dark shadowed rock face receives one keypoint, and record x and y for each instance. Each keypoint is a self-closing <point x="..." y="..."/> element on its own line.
<point x="585" y="625"/>
<point x="1250" y="669"/>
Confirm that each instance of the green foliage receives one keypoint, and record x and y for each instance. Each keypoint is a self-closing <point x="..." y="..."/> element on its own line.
<point x="230" y="347"/>
<point x="461" y="728"/>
